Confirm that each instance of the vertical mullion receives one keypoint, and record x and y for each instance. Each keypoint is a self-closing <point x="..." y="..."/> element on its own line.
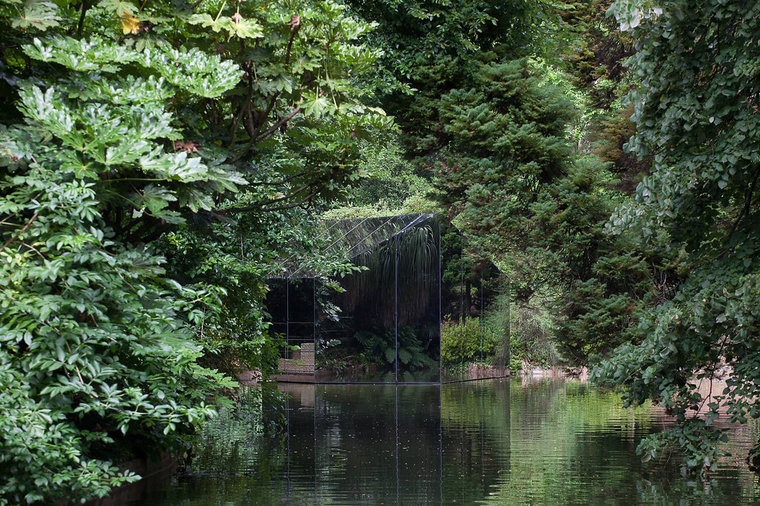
<point x="395" y="301"/>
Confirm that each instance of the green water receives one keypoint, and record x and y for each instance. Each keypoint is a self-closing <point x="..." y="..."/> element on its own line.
<point x="498" y="441"/>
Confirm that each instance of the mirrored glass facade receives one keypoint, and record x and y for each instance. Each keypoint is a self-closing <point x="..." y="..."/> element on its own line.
<point x="384" y="326"/>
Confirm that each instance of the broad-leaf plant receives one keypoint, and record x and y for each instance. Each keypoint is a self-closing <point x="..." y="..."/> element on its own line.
<point x="154" y="157"/>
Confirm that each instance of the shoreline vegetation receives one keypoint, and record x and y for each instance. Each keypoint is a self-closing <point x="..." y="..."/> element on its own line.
<point x="161" y="163"/>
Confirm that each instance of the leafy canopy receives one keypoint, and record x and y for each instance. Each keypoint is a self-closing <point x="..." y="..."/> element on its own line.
<point x="121" y="125"/>
<point x="696" y="113"/>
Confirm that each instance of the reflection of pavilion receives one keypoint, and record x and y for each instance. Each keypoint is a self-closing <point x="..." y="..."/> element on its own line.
<point x="385" y="326"/>
<point x="402" y="444"/>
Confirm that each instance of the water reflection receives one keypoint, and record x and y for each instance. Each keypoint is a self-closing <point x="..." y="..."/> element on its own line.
<point x="496" y="441"/>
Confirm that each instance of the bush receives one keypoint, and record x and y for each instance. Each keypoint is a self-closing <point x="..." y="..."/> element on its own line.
<point x="531" y="336"/>
<point x="381" y="347"/>
<point x="469" y="341"/>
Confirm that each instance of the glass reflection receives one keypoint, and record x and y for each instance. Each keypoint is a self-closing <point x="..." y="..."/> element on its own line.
<point x="418" y="275"/>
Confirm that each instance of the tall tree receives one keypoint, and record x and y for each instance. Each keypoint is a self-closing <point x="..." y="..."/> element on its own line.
<point x="433" y="47"/>
<point x="696" y="113"/>
<point x="490" y="121"/>
<point x="123" y="124"/>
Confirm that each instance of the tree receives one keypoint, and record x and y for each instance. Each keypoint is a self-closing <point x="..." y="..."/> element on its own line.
<point x="508" y="139"/>
<point x="127" y="134"/>
<point x="490" y="121"/>
<point x="596" y="53"/>
<point x="511" y="180"/>
<point x="430" y="48"/>
<point x="459" y="63"/>
<point x="696" y="113"/>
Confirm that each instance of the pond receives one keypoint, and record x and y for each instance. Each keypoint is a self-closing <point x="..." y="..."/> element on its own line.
<point x="507" y="441"/>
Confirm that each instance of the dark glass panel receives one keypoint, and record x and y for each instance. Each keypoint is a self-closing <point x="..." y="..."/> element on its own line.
<point x="300" y="364"/>
<point x="418" y="329"/>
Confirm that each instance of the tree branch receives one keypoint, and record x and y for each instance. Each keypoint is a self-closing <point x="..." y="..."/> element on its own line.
<point x="245" y="107"/>
<point x="746" y="209"/>
<point x="253" y="125"/>
<point x="272" y="129"/>
<point x="291" y="206"/>
<point x="277" y="183"/>
<point x="269" y="131"/>
<point x="32" y="248"/>
<point x="20" y="231"/>
<point x="84" y="8"/>
<point x="295" y="26"/>
<point x="263" y="205"/>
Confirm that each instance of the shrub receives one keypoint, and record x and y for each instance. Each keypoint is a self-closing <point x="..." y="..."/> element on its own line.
<point x="468" y="341"/>
<point x="381" y="347"/>
<point x="531" y="336"/>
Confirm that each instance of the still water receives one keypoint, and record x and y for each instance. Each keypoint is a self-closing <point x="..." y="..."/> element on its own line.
<point x="496" y="441"/>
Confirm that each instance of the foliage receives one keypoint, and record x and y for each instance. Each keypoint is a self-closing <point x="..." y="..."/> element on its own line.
<point x="609" y="136"/>
<point x="606" y="281"/>
<point x="594" y="60"/>
<point x="387" y="177"/>
<point x="293" y="124"/>
<point x="388" y="186"/>
<point x="695" y="112"/>
<point x="497" y="124"/>
<point x="378" y="351"/>
<point x="241" y="432"/>
<point x="596" y="54"/>
<point x="122" y="125"/>
<point x="524" y="199"/>
<point x="239" y="256"/>
<point x="490" y="338"/>
<point x="97" y="338"/>
<point x="508" y="137"/>
<point x="384" y="348"/>
<point x="32" y="431"/>
<point x="531" y="334"/>
<point x="466" y="342"/>
<point x="296" y="122"/>
<point x="469" y="279"/>
<point x="430" y="48"/>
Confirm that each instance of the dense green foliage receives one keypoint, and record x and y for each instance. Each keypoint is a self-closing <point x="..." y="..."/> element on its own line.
<point x="596" y="51"/>
<point x="157" y="161"/>
<point x="383" y="347"/>
<point x="508" y="147"/>
<point x="127" y="134"/>
<point x="468" y="341"/>
<point x="97" y="339"/>
<point x="388" y="185"/>
<point x="497" y="130"/>
<point x="508" y="139"/>
<point x="595" y="56"/>
<point x="696" y="111"/>
<point x="431" y="48"/>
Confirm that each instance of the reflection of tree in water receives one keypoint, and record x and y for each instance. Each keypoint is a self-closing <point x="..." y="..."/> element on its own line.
<point x="475" y="421"/>
<point x="543" y="442"/>
<point x="384" y="441"/>
<point x="573" y="443"/>
<point x="237" y="457"/>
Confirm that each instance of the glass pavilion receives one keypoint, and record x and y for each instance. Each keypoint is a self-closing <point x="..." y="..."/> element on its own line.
<point x="385" y="326"/>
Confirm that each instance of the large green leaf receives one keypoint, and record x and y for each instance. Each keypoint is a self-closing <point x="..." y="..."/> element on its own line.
<point x="39" y="15"/>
